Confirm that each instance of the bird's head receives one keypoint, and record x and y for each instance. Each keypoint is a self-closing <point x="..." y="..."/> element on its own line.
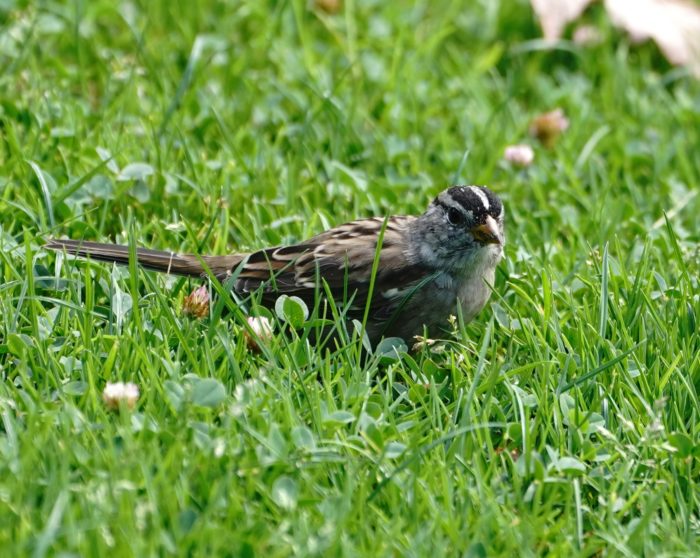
<point x="462" y="226"/>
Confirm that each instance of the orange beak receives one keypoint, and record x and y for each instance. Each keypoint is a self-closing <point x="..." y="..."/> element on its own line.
<point x="487" y="233"/>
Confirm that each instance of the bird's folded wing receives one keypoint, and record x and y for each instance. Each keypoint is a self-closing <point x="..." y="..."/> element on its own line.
<point x="341" y="260"/>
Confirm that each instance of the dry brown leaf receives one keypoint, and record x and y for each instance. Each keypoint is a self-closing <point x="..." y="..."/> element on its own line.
<point x="673" y="24"/>
<point x="555" y="14"/>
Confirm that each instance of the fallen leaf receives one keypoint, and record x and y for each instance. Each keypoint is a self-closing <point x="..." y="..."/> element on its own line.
<point x="673" y="24"/>
<point x="553" y="15"/>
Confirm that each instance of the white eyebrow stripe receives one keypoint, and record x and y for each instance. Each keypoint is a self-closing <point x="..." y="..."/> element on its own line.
<point x="447" y="200"/>
<point x="480" y="194"/>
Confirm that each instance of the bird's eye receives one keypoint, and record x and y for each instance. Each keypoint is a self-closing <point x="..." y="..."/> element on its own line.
<point x="454" y="216"/>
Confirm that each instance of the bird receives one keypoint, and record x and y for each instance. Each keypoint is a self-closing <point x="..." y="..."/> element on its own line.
<point x="430" y="266"/>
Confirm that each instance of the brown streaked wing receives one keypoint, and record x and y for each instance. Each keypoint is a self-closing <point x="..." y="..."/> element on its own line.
<point x="342" y="256"/>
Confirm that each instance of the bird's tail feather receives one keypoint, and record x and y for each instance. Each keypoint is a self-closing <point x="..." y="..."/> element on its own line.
<point x="157" y="260"/>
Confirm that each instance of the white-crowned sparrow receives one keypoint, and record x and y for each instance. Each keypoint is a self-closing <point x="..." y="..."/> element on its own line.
<point x="428" y="264"/>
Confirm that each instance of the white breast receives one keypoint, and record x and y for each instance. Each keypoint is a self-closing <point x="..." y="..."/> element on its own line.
<point x="474" y="293"/>
<point x="469" y="289"/>
<point x="472" y="289"/>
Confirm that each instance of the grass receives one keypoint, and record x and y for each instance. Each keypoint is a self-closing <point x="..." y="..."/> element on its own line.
<point x="563" y="421"/>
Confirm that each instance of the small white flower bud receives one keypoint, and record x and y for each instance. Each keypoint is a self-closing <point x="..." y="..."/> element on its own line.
<point x="262" y="330"/>
<point x="116" y="393"/>
<point x="520" y="155"/>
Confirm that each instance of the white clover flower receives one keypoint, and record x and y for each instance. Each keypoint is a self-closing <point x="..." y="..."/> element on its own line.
<point x="521" y="155"/>
<point x="116" y="393"/>
<point x="196" y="304"/>
<point x="262" y="331"/>
<point x="548" y="127"/>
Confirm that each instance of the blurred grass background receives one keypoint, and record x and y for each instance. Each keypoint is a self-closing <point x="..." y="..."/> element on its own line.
<point x="563" y="421"/>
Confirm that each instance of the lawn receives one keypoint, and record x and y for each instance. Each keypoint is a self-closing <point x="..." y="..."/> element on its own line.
<point x="564" y="420"/>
